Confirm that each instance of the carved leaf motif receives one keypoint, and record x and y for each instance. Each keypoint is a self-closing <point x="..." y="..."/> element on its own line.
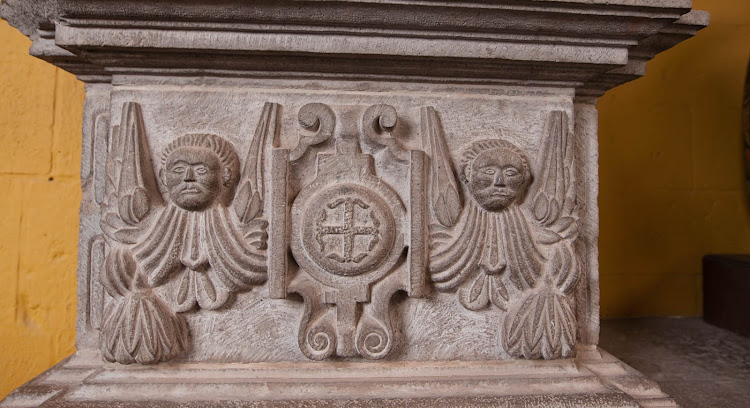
<point x="477" y="297"/>
<point x="499" y="295"/>
<point x="200" y="289"/>
<point x="139" y="328"/>
<point x="564" y="223"/>
<point x="546" y="236"/>
<point x="249" y="198"/>
<point x="543" y="327"/>
<point x="443" y="190"/>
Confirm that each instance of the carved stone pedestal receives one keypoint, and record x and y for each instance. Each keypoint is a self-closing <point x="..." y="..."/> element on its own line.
<point x="351" y="203"/>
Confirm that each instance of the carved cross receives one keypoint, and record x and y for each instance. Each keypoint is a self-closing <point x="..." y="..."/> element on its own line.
<point x="348" y="231"/>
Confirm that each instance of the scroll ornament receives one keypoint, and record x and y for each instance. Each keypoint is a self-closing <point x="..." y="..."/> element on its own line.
<point x="348" y="229"/>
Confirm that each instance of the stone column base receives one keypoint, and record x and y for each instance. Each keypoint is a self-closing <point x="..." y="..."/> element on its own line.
<point x="594" y="379"/>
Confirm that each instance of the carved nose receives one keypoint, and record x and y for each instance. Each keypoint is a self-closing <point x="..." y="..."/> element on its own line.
<point x="189" y="175"/>
<point x="499" y="182"/>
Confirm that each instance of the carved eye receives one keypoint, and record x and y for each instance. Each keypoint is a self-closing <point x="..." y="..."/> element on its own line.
<point x="178" y="169"/>
<point x="510" y="172"/>
<point x="201" y="170"/>
<point x="489" y="172"/>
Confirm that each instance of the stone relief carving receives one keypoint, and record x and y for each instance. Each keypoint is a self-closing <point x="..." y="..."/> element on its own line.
<point x="496" y="247"/>
<point x="208" y="234"/>
<point x="346" y="232"/>
<point x="351" y="234"/>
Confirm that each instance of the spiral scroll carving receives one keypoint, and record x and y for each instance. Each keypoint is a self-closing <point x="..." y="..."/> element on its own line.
<point x="319" y="340"/>
<point x="374" y="341"/>
<point x="376" y="125"/>
<point x="317" y="118"/>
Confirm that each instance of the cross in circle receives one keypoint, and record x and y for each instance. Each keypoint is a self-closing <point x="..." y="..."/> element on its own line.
<point x="348" y="231"/>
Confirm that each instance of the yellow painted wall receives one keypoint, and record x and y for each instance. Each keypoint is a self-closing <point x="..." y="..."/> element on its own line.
<point x="671" y="187"/>
<point x="40" y="127"/>
<point x="672" y="182"/>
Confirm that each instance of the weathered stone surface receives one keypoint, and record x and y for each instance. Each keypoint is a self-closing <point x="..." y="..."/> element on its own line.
<point x="282" y="182"/>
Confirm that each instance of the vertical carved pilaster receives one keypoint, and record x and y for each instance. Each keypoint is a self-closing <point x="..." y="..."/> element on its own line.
<point x="94" y="147"/>
<point x="587" y="148"/>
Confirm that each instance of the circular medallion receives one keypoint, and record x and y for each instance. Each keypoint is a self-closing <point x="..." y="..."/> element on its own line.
<point x="347" y="229"/>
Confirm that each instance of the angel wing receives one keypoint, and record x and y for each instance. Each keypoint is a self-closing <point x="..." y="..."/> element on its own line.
<point x="131" y="191"/>
<point x="553" y="204"/>
<point x="554" y="207"/>
<point x="248" y="201"/>
<point x="442" y="186"/>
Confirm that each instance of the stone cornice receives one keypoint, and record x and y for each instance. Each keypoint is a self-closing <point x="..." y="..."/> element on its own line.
<point x="589" y="45"/>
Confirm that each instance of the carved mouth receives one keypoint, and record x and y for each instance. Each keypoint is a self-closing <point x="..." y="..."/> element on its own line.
<point x="189" y="190"/>
<point x="502" y="194"/>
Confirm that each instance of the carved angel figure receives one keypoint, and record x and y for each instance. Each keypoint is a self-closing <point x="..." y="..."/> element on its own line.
<point x="209" y="235"/>
<point x="498" y="248"/>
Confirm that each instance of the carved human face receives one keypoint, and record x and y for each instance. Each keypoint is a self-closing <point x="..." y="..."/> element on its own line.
<point x="193" y="176"/>
<point x="498" y="178"/>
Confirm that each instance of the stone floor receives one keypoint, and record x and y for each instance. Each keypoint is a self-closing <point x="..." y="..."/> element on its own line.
<point x="697" y="364"/>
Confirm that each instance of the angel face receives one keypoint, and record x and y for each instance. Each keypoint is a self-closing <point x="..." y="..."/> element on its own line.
<point x="193" y="176"/>
<point x="498" y="178"/>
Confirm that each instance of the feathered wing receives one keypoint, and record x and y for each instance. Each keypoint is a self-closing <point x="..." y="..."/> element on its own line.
<point x="553" y="199"/>
<point x="554" y="207"/>
<point x="443" y="189"/>
<point x="248" y="201"/>
<point x="131" y="191"/>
